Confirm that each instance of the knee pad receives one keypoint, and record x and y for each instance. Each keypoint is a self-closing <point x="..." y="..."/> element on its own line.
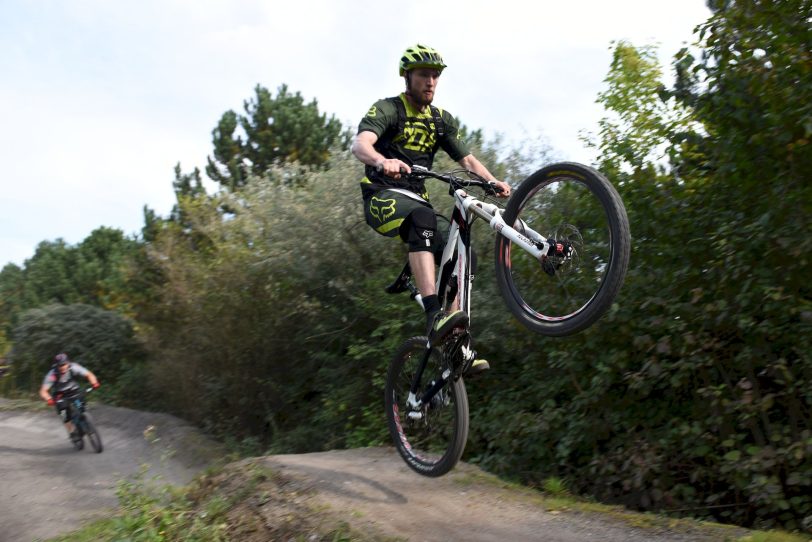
<point x="422" y="231"/>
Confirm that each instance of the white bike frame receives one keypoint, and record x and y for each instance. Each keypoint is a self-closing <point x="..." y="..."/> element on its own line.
<point x="456" y="262"/>
<point x="466" y="209"/>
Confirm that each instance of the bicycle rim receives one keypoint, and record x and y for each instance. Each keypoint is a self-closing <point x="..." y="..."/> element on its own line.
<point x="579" y="209"/>
<point x="432" y="444"/>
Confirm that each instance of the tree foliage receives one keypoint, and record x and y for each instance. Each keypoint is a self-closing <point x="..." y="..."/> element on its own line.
<point x="103" y="341"/>
<point x="693" y="394"/>
<point x="91" y="272"/>
<point x="273" y="130"/>
<point x="254" y="322"/>
<point x="263" y="310"/>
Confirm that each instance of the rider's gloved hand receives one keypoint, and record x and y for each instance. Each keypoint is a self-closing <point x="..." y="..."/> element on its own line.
<point x="51" y="402"/>
<point x="96" y="385"/>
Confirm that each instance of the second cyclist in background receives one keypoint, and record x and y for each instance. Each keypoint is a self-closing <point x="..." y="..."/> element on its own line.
<point x="60" y="383"/>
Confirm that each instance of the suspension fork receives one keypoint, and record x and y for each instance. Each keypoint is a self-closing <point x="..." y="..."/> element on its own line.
<point x="533" y="242"/>
<point x="449" y="353"/>
<point x="413" y="400"/>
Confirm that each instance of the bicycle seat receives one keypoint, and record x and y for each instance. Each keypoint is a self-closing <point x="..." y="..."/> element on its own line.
<point x="401" y="283"/>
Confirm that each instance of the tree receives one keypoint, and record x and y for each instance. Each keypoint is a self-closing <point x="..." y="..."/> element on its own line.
<point x="102" y="340"/>
<point x="644" y="117"/>
<point x="186" y="185"/>
<point x="751" y="87"/>
<point x="92" y="272"/>
<point x="273" y="130"/>
<point x="12" y="291"/>
<point x="694" y="391"/>
<point x="99" y="272"/>
<point x="49" y="275"/>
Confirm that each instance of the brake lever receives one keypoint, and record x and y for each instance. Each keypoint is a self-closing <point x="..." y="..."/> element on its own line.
<point x="493" y="189"/>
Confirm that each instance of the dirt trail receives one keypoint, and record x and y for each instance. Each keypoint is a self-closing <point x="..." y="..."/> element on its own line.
<point x="374" y="489"/>
<point x="48" y="488"/>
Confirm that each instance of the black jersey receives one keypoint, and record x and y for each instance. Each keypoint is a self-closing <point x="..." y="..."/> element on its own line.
<point x="411" y="136"/>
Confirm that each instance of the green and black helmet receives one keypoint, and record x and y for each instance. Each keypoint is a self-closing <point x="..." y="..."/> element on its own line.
<point x="420" y="56"/>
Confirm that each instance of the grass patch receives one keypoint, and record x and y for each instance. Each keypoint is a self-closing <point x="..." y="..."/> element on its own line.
<point x="243" y="501"/>
<point x="554" y="497"/>
<point x="22" y="401"/>
<point x="774" y="536"/>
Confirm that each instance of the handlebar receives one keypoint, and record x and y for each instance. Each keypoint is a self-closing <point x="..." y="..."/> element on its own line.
<point x="454" y="181"/>
<point x="421" y="172"/>
<point x="71" y="395"/>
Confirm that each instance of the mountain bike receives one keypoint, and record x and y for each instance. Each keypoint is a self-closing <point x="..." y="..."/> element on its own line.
<point x="561" y="254"/>
<point x="82" y="422"/>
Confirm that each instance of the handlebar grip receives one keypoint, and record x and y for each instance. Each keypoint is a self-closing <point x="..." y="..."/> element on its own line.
<point x="379" y="169"/>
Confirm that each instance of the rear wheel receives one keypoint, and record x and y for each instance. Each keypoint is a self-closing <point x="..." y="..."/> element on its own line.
<point x="431" y="438"/>
<point x="574" y="284"/>
<point x="91" y="433"/>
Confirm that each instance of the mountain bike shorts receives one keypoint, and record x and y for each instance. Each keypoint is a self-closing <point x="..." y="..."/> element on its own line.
<point x="403" y="213"/>
<point x="64" y="407"/>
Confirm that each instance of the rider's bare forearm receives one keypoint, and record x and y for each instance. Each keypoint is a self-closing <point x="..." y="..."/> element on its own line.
<point x="471" y="163"/>
<point x="366" y="153"/>
<point x="363" y="147"/>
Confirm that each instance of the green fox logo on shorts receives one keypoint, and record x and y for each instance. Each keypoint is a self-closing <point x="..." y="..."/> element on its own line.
<point x="381" y="209"/>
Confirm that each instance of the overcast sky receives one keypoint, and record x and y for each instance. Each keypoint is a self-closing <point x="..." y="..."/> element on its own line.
<point x="99" y="99"/>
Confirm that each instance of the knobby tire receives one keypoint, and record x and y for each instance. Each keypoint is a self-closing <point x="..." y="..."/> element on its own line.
<point x="91" y="433"/>
<point x="579" y="206"/>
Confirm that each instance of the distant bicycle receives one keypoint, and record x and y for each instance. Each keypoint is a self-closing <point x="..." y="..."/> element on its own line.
<point x="82" y="422"/>
<point x="561" y="254"/>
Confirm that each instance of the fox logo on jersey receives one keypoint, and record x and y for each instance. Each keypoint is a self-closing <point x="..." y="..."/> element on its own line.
<point x="381" y="209"/>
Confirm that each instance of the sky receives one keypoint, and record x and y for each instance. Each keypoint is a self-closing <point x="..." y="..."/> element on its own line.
<point x="100" y="99"/>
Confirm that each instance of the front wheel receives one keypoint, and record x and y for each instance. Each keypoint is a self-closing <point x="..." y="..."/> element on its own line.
<point x="92" y="435"/>
<point x="578" y="210"/>
<point x="78" y="442"/>
<point x="432" y="437"/>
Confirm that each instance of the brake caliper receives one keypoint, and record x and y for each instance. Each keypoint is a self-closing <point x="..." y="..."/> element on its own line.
<point x="558" y="253"/>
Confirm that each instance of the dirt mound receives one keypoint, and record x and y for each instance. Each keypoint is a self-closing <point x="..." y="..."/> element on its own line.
<point x="375" y="491"/>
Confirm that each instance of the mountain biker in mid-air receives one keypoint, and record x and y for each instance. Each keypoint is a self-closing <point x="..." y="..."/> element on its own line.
<point x="395" y="134"/>
<point x="60" y="381"/>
